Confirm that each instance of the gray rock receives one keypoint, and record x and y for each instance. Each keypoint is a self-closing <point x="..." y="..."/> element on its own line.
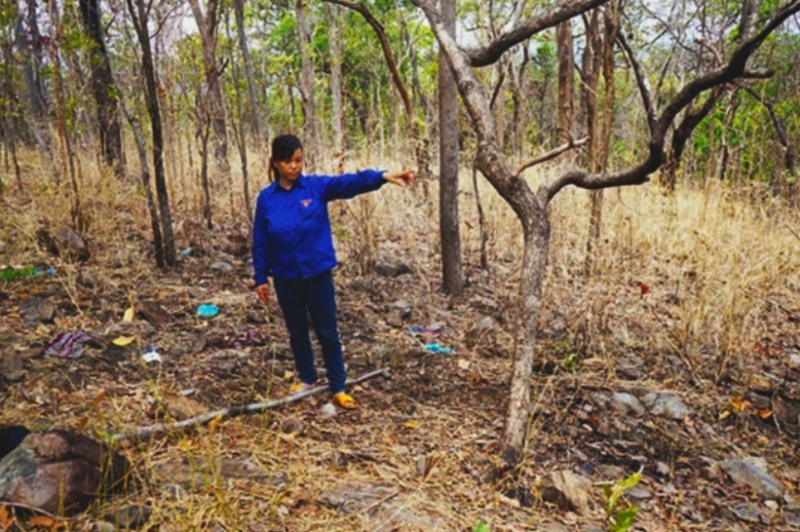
<point x="37" y="310"/>
<point x="750" y="513"/>
<point x="638" y="493"/>
<point x="60" y="472"/>
<point x="381" y="502"/>
<point x="792" y="519"/>
<point x="666" y="404"/>
<point x="600" y="399"/>
<point x="625" y="402"/>
<point x="567" y="490"/>
<point x="388" y="265"/>
<point x="328" y="411"/>
<point x="11" y="367"/>
<point x="403" y="309"/>
<point x="292" y="426"/>
<point x="221" y="266"/>
<point x="752" y="472"/>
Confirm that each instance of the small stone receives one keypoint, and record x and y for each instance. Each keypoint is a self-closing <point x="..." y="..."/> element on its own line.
<point x="292" y="426"/>
<point x="37" y="310"/>
<point x="388" y="265"/>
<point x="11" y="367"/>
<point x="567" y="490"/>
<point x="772" y="505"/>
<point x="630" y="372"/>
<point x="182" y="407"/>
<point x="221" y="266"/>
<point x="403" y="309"/>
<point x="794" y="360"/>
<point x="637" y="493"/>
<point x="662" y="469"/>
<point x="667" y="404"/>
<point x="792" y="519"/>
<point x="328" y="411"/>
<point x="752" y="472"/>
<point x="611" y="472"/>
<point x="625" y="402"/>
<point x="750" y="513"/>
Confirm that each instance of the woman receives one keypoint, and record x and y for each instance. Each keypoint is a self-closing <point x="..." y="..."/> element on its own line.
<point x="293" y="244"/>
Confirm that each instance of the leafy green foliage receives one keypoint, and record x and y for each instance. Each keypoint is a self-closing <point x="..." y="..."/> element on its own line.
<point x="621" y="521"/>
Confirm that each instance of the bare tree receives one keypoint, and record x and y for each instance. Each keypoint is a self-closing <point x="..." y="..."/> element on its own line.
<point x="207" y="24"/>
<point x="531" y="207"/>
<point x="260" y="133"/>
<point x="139" y="13"/>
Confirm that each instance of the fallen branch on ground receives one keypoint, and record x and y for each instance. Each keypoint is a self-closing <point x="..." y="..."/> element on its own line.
<point x="232" y="411"/>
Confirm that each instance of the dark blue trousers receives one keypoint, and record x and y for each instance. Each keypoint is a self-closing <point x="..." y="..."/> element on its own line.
<point x="315" y="297"/>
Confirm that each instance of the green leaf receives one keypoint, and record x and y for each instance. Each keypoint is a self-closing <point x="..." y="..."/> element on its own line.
<point x="481" y="527"/>
<point x="623" y="521"/>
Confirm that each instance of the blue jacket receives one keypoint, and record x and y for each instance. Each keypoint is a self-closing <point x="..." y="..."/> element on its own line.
<point x="292" y="231"/>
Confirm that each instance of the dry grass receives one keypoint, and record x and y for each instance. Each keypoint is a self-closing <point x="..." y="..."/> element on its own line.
<point x="717" y="266"/>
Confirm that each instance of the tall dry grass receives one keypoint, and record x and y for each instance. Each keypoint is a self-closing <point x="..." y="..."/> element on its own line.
<point x="716" y="263"/>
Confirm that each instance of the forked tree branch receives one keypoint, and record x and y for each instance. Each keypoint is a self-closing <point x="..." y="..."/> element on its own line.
<point x="385" y="47"/>
<point x="552" y="154"/>
<point x="734" y="69"/>
<point x="641" y="81"/>
<point x="565" y="10"/>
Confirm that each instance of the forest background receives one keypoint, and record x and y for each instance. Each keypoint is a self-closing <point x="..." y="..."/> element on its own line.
<point x="135" y="137"/>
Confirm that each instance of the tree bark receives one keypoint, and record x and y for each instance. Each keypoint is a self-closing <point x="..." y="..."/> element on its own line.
<point x="591" y="72"/>
<point x="452" y="275"/>
<point x="260" y="133"/>
<point x="103" y="87"/>
<point x="207" y="24"/>
<point x="310" y="133"/>
<point x="336" y="88"/>
<point x="139" y="14"/>
<point x="566" y="77"/>
<point x="144" y="169"/>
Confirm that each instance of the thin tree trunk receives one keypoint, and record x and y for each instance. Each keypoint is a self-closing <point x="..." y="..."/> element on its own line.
<point x="592" y="58"/>
<point x="67" y="158"/>
<point x="310" y="133"/>
<point x="207" y="24"/>
<point x="452" y="274"/>
<point x="336" y="88"/>
<point x="566" y="85"/>
<point x="239" y="136"/>
<point x="139" y="15"/>
<point x="484" y="235"/>
<point x="144" y="167"/>
<point x="31" y="43"/>
<point x="260" y="133"/>
<point x="103" y="88"/>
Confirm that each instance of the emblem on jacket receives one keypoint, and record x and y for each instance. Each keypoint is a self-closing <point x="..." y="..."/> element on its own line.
<point x="305" y="203"/>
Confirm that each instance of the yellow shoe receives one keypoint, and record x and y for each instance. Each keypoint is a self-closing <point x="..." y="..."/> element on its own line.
<point x="345" y="401"/>
<point x="300" y="387"/>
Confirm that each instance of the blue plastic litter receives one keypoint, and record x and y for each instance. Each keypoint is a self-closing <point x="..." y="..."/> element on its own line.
<point x="438" y="349"/>
<point x="207" y="311"/>
<point x="186" y="252"/>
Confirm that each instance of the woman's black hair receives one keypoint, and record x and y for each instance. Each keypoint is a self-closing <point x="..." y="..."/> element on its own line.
<point x="283" y="148"/>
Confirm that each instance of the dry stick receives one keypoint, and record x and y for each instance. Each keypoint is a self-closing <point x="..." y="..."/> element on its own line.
<point x="233" y="411"/>
<point x="37" y="510"/>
